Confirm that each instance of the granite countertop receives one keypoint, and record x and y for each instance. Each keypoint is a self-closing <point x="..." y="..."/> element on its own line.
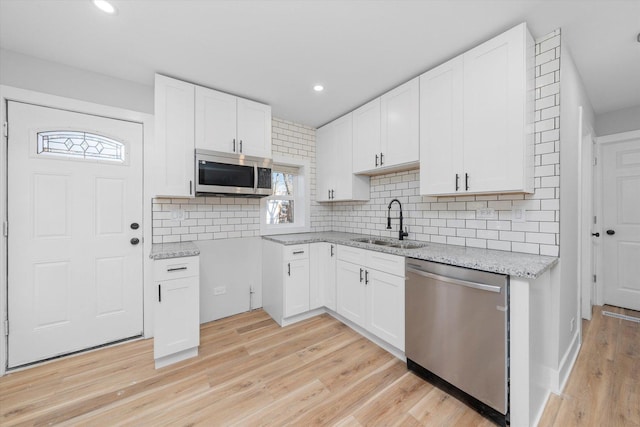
<point x="512" y="263"/>
<point x="173" y="250"/>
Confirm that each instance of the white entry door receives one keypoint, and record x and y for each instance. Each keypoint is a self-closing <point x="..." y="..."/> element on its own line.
<point x="621" y="223"/>
<point x="74" y="208"/>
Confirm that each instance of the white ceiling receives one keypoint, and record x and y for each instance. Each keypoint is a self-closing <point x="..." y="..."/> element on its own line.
<point x="275" y="51"/>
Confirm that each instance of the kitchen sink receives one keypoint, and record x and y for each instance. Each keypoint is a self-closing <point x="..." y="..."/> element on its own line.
<point x="372" y="241"/>
<point x="408" y="245"/>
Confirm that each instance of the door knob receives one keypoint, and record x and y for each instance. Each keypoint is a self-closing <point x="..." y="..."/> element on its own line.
<point x="595" y="234"/>
<point x="135" y="241"/>
<point x="611" y="232"/>
<point x="135" y="225"/>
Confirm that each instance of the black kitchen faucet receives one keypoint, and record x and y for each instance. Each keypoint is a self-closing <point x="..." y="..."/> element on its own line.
<point x="401" y="233"/>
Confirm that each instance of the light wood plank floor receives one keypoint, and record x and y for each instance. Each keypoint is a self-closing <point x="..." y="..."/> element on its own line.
<point x="252" y="372"/>
<point x="604" y="386"/>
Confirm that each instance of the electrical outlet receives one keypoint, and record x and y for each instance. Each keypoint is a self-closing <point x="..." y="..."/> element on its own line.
<point x="178" y="215"/>
<point x="573" y="324"/>
<point x="486" y="213"/>
<point x="518" y="215"/>
<point x="220" y="290"/>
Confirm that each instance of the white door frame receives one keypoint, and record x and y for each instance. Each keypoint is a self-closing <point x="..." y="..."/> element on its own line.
<point x="586" y="193"/>
<point x="599" y="193"/>
<point x="9" y="93"/>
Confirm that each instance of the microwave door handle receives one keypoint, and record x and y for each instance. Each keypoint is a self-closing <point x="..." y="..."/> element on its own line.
<point x="255" y="178"/>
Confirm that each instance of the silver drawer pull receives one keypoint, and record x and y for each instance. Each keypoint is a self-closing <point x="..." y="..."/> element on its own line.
<point x="298" y="252"/>
<point x="491" y="288"/>
<point x="176" y="269"/>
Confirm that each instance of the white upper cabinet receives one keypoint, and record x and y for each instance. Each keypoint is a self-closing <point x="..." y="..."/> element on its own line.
<point x="386" y="131"/>
<point x="174" y="162"/>
<point x="230" y="124"/>
<point x="400" y="125"/>
<point x="335" y="180"/>
<point x="254" y="128"/>
<point x="215" y="120"/>
<point x="476" y="119"/>
<point x="366" y="137"/>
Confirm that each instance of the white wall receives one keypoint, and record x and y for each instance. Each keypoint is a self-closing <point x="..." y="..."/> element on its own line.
<point x="27" y="72"/>
<point x="624" y="120"/>
<point x="566" y="288"/>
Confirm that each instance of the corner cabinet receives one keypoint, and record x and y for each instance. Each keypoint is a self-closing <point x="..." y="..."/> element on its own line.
<point x="231" y="124"/>
<point x="177" y="308"/>
<point x="476" y="119"/>
<point x="370" y="289"/>
<point x="174" y="161"/>
<point x="335" y="180"/>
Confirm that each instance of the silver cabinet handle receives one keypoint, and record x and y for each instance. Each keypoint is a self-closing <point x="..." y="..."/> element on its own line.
<point x="466" y="181"/>
<point x="331" y="250"/>
<point x="289" y="269"/>
<point x="376" y="160"/>
<point x="381" y="159"/>
<point x="190" y="187"/>
<point x="241" y="146"/>
<point x="176" y="269"/>
<point x="457" y="182"/>
<point x="361" y="271"/>
<point x="255" y="178"/>
<point x="412" y="268"/>
<point x="366" y="277"/>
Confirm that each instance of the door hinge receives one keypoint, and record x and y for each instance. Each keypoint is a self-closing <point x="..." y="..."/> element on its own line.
<point x="594" y="278"/>
<point x="5" y="129"/>
<point x="5" y="228"/>
<point x="6" y="327"/>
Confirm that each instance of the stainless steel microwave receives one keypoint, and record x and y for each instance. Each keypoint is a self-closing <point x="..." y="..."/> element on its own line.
<point x="232" y="174"/>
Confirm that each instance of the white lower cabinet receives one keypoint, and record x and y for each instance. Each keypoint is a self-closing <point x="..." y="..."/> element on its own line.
<point x="371" y="298"/>
<point x="285" y="280"/>
<point x="322" y="275"/>
<point x="177" y="310"/>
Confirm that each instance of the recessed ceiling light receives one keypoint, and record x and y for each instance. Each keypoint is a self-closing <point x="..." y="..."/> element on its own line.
<point x="105" y="6"/>
<point x="318" y="88"/>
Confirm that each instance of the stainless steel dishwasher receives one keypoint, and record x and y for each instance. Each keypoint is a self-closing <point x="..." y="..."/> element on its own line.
<point x="456" y="333"/>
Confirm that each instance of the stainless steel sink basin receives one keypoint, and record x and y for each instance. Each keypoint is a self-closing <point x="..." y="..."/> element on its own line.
<point x="372" y="241"/>
<point x="408" y="245"/>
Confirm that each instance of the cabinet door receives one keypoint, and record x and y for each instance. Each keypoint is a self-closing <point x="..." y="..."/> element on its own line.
<point x="441" y="137"/>
<point x="400" y="125"/>
<point x="254" y="128"/>
<point x="385" y="307"/>
<point x="215" y="120"/>
<point x="296" y="287"/>
<point x="351" y="292"/>
<point x="177" y="318"/>
<point x="325" y="162"/>
<point x="494" y="102"/>
<point x="342" y="169"/>
<point x="174" y="161"/>
<point x="366" y="137"/>
<point x="322" y="276"/>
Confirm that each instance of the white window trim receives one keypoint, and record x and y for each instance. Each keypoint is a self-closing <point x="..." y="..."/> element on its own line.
<point x="302" y="210"/>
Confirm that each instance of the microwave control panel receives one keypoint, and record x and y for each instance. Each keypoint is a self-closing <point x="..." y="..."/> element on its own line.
<point x="264" y="178"/>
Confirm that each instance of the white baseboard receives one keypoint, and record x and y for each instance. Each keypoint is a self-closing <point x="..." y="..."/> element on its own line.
<point x="566" y="364"/>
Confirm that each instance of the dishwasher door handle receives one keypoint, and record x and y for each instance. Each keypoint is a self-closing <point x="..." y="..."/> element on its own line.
<point x="491" y="288"/>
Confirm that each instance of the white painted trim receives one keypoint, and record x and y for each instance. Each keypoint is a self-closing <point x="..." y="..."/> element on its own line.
<point x="22" y="95"/>
<point x="305" y="173"/>
<point x="586" y="243"/>
<point x="567" y="363"/>
<point x="536" y="419"/>
<point x="520" y="360"/>
<point x="598" y="189"/>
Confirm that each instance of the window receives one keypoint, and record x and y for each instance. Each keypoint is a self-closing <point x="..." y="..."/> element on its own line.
<point x="286" y="211"/>
<point x="83" y="145"/>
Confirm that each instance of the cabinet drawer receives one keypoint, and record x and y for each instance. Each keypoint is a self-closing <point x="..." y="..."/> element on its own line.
<point x="296" y="252"/>
<point x="175" y="268"/>
<point x="387" y="263"/>
<point x="353" y="255"/>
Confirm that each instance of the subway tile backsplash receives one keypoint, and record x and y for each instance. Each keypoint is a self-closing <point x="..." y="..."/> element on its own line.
<point x="451" y="220"/>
